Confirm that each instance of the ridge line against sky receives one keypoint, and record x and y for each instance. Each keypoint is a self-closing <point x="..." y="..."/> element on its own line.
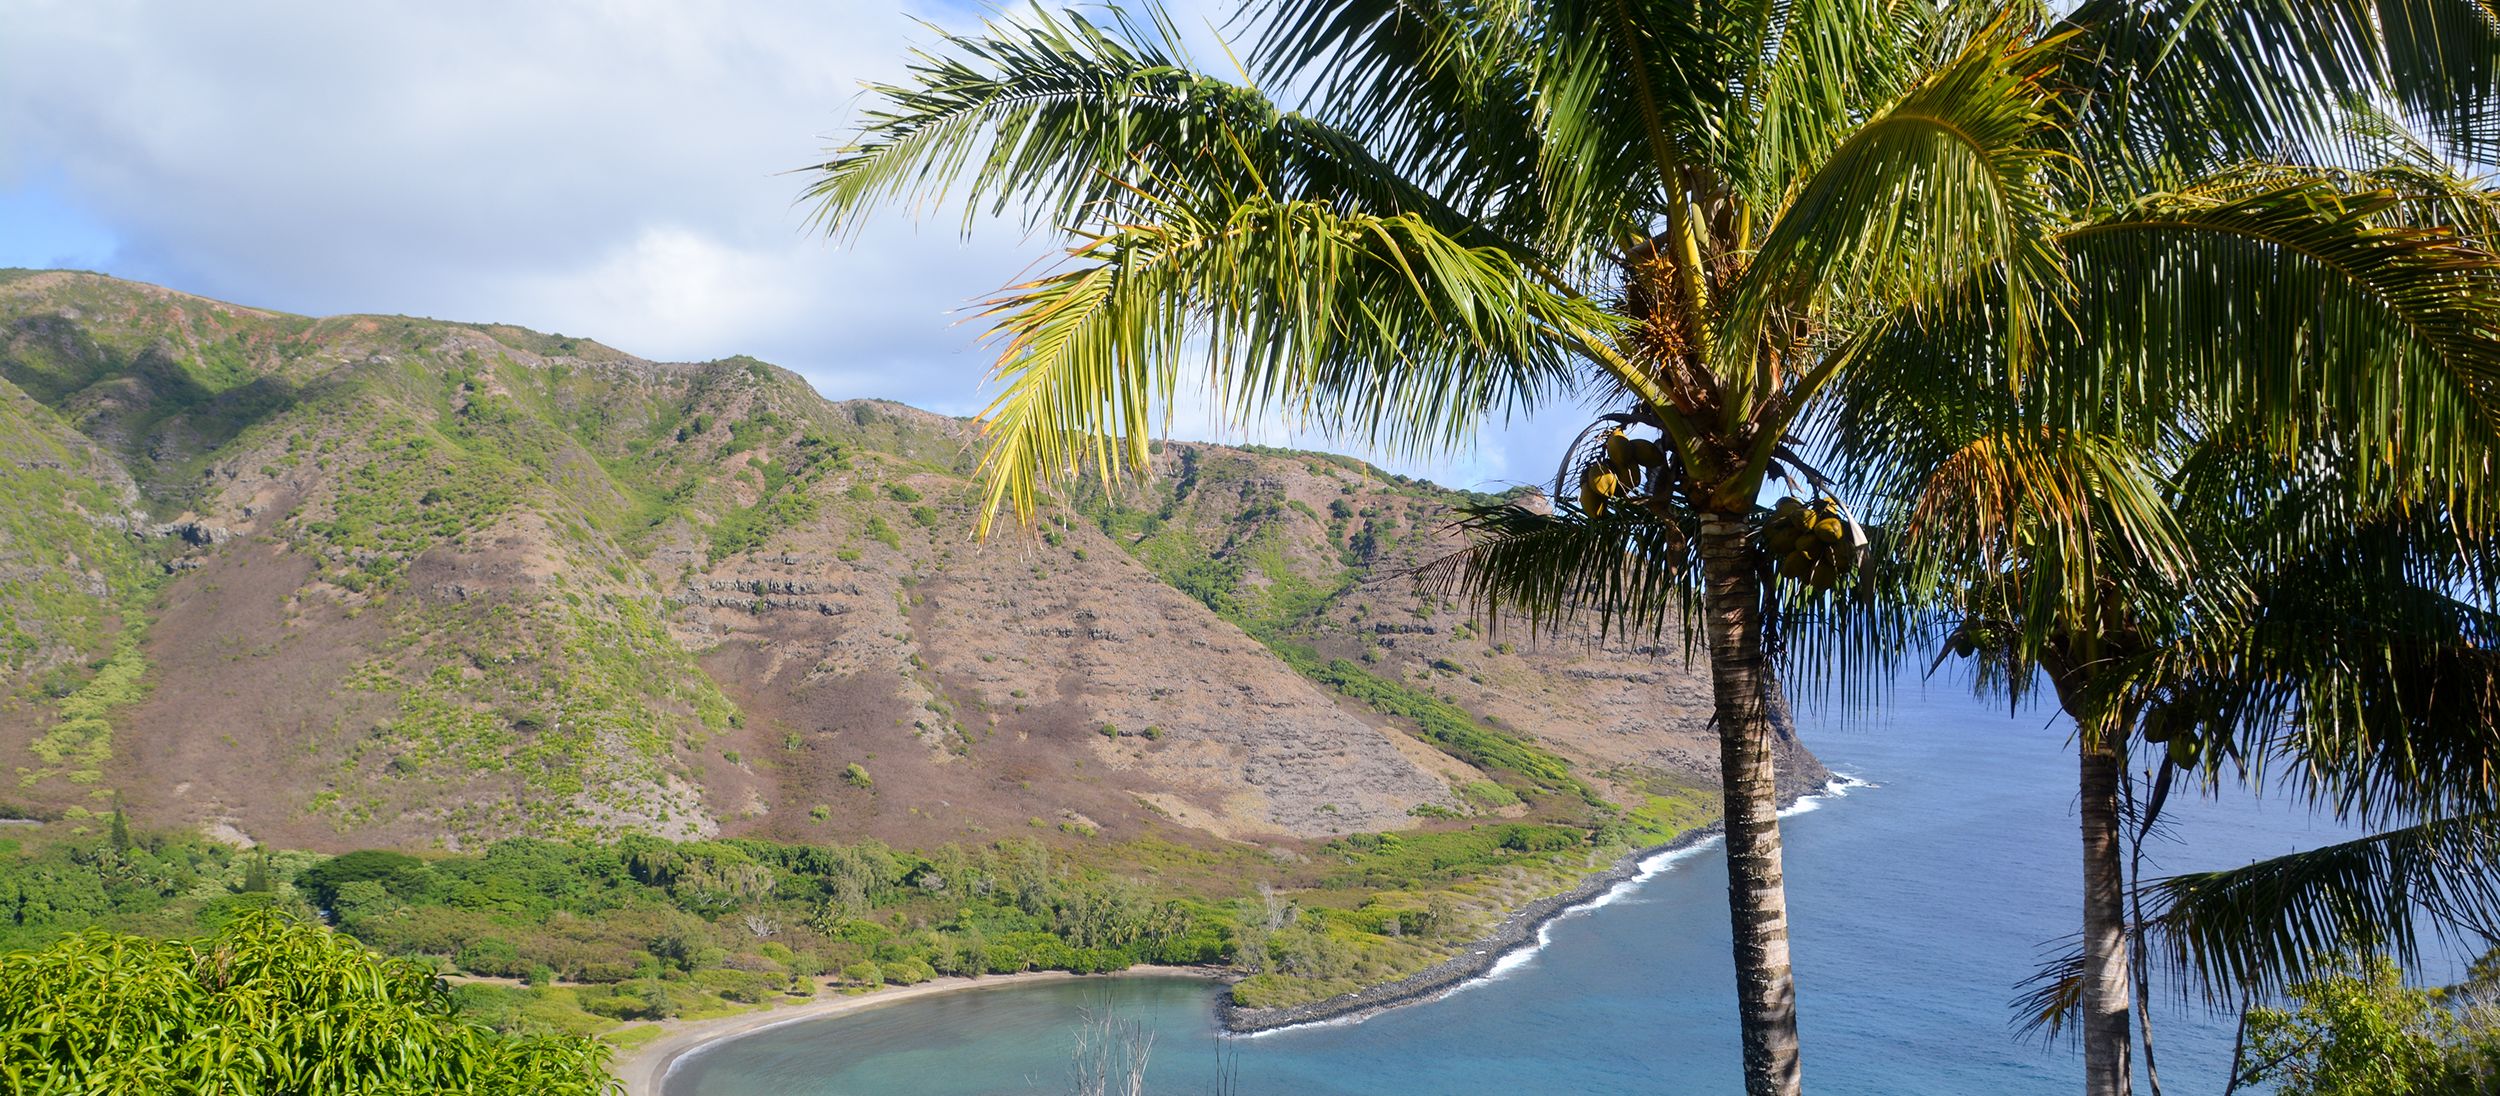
<point x="617" y="171"/>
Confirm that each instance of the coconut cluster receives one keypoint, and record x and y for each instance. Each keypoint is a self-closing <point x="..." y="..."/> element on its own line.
<point x="1617" y="476"/>
<point x="1973" y="637"/>
<point x="2176" y="732"/>
<point x="1811" y="541"/>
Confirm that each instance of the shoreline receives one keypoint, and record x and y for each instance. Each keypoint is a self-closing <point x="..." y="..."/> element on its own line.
<point x="644" y="1071"/>
<point x="1521" y="930"/>
<point x="1516" y="931"/>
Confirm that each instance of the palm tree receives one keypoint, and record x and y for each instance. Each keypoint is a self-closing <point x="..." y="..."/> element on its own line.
<point x="1703" y="213"/>
<point x="2200" y="578"/>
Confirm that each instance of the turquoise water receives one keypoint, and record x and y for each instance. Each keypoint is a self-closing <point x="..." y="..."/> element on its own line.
<point x="1919" y="901"/>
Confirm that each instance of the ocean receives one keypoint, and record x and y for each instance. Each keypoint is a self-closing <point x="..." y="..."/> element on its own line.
<point x="1921" y="891"/>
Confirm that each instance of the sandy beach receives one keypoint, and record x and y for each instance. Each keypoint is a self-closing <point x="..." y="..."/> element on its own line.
<point x="644" y="1069"/>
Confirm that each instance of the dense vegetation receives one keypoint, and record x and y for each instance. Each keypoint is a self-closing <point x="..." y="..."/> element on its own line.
<point x="2358" y="1030"/>
<point x="553" y="937"/>
<point x="269" y="1004"/>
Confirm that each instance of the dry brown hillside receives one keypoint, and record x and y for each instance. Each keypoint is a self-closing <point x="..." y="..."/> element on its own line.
<point x="376" y="580"/>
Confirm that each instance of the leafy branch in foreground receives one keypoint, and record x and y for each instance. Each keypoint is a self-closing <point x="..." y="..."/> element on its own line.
<point x="269" y="1005"/>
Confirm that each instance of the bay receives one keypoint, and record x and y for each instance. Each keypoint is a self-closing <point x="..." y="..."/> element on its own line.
<point x="1921" y="895"/>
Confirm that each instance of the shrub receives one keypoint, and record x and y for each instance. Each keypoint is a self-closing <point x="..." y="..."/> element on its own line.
<point x="883" y="533"/>
<point x="401" y="875"/>
<point x="493" y="957"/>
<point x="2358" y="1030"/>
<point x="741" y="986"/>
<point x="642" y="999"/>
<point x="101" y="1012"/>
<point x="906" y="972"/>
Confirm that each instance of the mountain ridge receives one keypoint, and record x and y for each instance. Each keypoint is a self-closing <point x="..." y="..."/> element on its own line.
<point x="380" y="580"/>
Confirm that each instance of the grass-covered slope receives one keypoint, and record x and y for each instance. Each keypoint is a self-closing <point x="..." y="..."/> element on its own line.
<point x="390" y="581"/>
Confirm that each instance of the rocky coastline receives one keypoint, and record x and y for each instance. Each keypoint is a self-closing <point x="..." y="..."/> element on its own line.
<point x="1516" y="931"/>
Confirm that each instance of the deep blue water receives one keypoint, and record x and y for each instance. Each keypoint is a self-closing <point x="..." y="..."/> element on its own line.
<point x="1917" y="902"/>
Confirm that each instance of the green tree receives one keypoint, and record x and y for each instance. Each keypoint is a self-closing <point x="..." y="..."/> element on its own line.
<point x="268" y="1005"/>
<point x="2206" y="612"/>
<point x="1707" y="214"/>
<point x="400" y="875"/>
<point x="119" y="830"/>
<point x="256" y="874"/>
<point x="2358" y="1030"/>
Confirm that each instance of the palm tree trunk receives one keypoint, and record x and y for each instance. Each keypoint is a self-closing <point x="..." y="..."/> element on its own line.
<point x="2106" y="1051"/>
<point x="1766" y="989"/>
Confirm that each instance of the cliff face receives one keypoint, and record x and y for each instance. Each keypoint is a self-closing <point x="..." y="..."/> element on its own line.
<point x="368" y="580"/>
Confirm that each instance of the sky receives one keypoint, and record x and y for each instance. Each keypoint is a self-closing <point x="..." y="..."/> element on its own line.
<point x="619" y="170"/>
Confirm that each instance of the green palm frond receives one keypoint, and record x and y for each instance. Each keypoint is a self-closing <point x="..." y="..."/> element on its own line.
<point x="2178" y="304"/>
<point x="1819" y="68"/>
<point x="2354" y="677"/>
<point x="2398" y="348"/>
<point x="1632" y="570"/>
<point x="1627" y="98"/>
<point x="1065" y="118"/>
<point x="1436" y="89"/>
<point x="1380" y="327"/>
<point x="2266" y="925"/>
<point x="1944" y="185"/>
<point x="2000" y="510"/>
<point x="2175" y="88"/>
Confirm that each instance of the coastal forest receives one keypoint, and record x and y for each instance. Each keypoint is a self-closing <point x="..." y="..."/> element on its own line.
<point x="404" y="704"/>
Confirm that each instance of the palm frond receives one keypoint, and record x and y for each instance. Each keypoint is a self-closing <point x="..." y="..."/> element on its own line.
<point x="1944" y="184"/>
<point x="2266" y="925"/>
<point x="1064" y="119"/>
<point x="1634" y="571"/>
<point x="2176" y="88"/>
<point x="2297" y="308"/>
<point x="1378" y="327"/>
<point x="2063" y="513"/>
<point x="2046" y="1003"/>
<point x="2354" y="677"/>
<point x="1819" y="69"/>
<point x="1436" y="89"/>
<point x="1627" y="98"/>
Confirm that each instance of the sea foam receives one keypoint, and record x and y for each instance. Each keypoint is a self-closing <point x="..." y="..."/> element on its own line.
<point x="1650" y="867"/>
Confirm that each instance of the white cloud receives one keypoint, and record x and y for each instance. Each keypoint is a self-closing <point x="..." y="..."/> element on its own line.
<point x="611" y="169"/>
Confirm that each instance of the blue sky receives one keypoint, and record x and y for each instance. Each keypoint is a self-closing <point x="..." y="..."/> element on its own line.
<point x="611" y="170"/>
